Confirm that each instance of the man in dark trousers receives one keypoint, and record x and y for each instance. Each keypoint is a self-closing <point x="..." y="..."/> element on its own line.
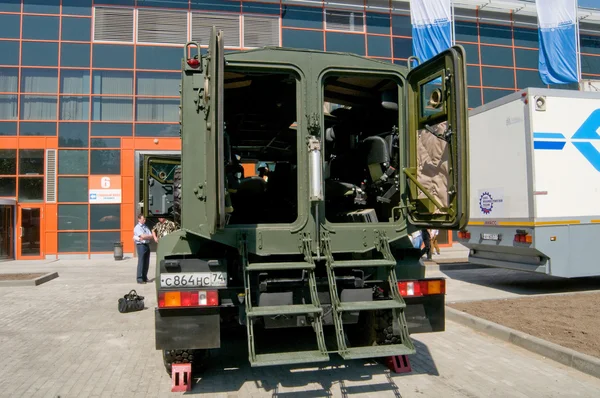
<point x="427" y="243"/>
<point x="142" y="236"/>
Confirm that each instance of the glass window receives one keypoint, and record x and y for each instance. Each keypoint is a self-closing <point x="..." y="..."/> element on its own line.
<point x="104" y="241"/>
<point x="41" y="6"/>
<point x="75" y="55"/>
<point x="157" y="83"/>
<point x="379" y="46"/>
<point x="474" y="97"/>
<point x="526" y="58"/>
<point x="31" y="161"/>
<point x="73" y="189"/>
<point x="260" y="8"/>
<point x="105" y="217"/>
<point x="162" y="58"/>
<point x="10" y="5"/>
<point x="112" y="108"/>
<point x="528" y="78"/>
<point x="106" y="143"/>
<point x="112" y="130"/>
<point x="77" y="7"/>
<point x="402" y="48"/>
<point x="157" y="110"/>
<point x="37" y="129"/>
<point x="9" y="80"/>
<point x="10" y="52"/>
<point x="73" y="242"/>
<point x="590" y="44"/>
<point x="308" y="39"/>
<point x="473" y="76"/>
<point x="10" y="26"/>
<point x="39" y="80"/>
<point x="8" y="186"/>
<point x="73" y="162"/>
<point x="72" y="217"/>
<point x="526" y="37"/>
<point x="495" y="34"/>
<point x="76" y="29"/>
<point x="472" y="51"/>
<point x="112" y="82"/>
<point x="498" y="77"/>
<point x="31" y="189"/>
<point x="590" y="64"/>
<point x="167" y="3"/>
<point x="38" y="107"/>
<point x="490" y="94"/>
<point x="73" y="81"/>
<point x="465" y="31"/>
<point x="40" y="28"/>
<point x="115" y="56"/>
<point x="74" y="108"/>
<point x="157" y="130"/>
<point x="8" y="162"/>
<point x="401" y="25"/>
<point x="7" y="128"/>
<point x="212" y="5"/>
<point x="345" y="42"/>
<point x="497" y="56"/>
<point x="105" y="162"/>
<point x="378" y="23"/>
<point x="8" y="107"/>
<point x="73" y="135"/>
<point x="39" y="54"/>
<point x="303" y="17"/>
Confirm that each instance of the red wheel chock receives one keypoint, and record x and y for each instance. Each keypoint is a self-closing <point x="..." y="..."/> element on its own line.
<point x="399" y="364"/>
<point x="181" y="377"/>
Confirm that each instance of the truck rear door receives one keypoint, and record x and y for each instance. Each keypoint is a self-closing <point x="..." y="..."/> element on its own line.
<point x="437" y="167"/>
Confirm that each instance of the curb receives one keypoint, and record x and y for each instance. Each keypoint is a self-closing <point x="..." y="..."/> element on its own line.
<point x="566" y="356"/>
<point x="31" y="282"/>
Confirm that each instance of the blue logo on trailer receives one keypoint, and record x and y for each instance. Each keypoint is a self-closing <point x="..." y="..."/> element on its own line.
<point x="486" y="203"/>
<point x="582" y="140"/>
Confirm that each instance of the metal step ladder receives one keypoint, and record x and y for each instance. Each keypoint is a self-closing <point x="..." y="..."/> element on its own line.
<point x="394" y="303"/>
<point x="314" y="309"/>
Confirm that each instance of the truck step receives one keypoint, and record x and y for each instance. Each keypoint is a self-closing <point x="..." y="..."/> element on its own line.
<point x="371" y="305"/>
<point x="278" y="266"/>
<point x="289" y="358"/>
<point x="284" y="310"/>
<point x="362" y="263"/>
<point x="377" y="351"/>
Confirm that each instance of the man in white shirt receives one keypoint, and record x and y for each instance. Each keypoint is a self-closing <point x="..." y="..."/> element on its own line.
<point x="142" y="236"/>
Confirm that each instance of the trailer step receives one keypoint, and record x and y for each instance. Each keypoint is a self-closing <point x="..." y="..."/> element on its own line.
<point x="362" y="263"/>
<point x="278" y="266"/>
<point x="284" y="310"/>
<point x="377" y="351"/>
<point x="289" y="358"/>
<point x="371" y="305"/>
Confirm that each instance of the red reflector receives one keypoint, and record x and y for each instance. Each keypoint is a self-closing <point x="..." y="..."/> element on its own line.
<point x="186" y="299"/>
<point x="194" y="62"/>
<point x="402" y="287"/>
<point x="422" y="288"/>
<point x="161" y="300"/>
<point x="213" y="298"/>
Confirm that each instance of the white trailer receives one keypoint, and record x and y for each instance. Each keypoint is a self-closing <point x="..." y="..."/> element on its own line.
<point x="535" y="183"/>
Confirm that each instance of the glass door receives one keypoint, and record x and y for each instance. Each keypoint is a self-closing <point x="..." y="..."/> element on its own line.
<point x="29" y="242"/>
<point x="7" y="239"/>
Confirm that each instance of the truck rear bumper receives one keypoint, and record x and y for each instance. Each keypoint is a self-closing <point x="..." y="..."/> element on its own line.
<point x="187" y="329"/>
<point x="425" y="314"/>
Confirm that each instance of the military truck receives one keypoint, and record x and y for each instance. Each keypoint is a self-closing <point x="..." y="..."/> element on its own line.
<point x="362" y="153"/>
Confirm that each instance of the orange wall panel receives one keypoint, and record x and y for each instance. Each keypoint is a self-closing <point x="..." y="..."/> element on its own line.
<point x="32" y="143"/>
<point x="127" y="165"/>
<point x="158" y="144"/>
<point x="52" y="142"/>
<point x="128" y="190"/>
<point x="8" y="142"/>
<point x="127" y="143"/>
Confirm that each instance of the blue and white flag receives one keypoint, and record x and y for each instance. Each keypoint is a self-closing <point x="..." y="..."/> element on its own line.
<point x="431" y="27"/>
<point x="558" y="34"/>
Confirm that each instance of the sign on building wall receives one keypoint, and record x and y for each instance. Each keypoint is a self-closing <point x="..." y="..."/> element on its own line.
<point x="105" y="189"/>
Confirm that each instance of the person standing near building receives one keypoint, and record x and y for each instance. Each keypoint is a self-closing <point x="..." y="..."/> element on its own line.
<point x="434" y="242"/>
<point x="142" y="236"/>
<point x="162" y="228"/>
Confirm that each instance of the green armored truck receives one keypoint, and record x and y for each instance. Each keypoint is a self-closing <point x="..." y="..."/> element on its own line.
<point x="360" y="153"/>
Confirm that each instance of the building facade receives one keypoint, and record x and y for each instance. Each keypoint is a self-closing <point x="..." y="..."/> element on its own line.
<point x="88" y="87"/>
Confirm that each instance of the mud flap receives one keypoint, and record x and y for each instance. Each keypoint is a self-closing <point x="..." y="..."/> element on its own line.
<point x="425" y="314"/>
<point x="177" y="329"/>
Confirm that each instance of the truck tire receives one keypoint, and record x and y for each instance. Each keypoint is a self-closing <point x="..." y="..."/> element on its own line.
<point x="195" y="357"/>
<point x="177" y="195"/>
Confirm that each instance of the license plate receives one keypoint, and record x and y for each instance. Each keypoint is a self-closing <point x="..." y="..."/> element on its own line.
<point x="194" y="279"/>
<point x="490" y="236"/>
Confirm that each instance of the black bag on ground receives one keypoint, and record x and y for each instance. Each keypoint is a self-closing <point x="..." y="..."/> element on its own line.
<point x="131" y="302"/>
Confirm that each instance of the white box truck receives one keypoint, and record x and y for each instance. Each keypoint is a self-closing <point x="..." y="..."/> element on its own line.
<point x="535" y="183"/>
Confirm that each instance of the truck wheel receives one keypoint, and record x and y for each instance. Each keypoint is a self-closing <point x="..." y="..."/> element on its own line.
<point x="195" y="357"/>
<point x="177" y="195"/>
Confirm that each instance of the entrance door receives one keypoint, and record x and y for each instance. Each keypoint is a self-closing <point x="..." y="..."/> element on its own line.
<point x="29" y="242"/>
<point x="7" y="239"/>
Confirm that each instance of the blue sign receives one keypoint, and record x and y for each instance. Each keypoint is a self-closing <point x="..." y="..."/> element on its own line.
<point x="93" y="196"/>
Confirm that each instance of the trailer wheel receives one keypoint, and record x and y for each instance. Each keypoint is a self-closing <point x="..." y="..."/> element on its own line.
<point x="195" y="357"/>
<point x="177" y="195"/>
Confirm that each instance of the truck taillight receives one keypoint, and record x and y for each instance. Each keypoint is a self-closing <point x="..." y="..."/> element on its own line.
<point x="202" y="298"/>
<point x="193" y="62"/>
<point x="464" y="235"/>
<point x="523" y="237"/>
<point x="422" y="288"/>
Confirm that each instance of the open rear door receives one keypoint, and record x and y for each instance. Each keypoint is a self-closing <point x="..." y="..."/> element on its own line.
<point x="437" y="169"/>
<point x="159" y="173"/>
